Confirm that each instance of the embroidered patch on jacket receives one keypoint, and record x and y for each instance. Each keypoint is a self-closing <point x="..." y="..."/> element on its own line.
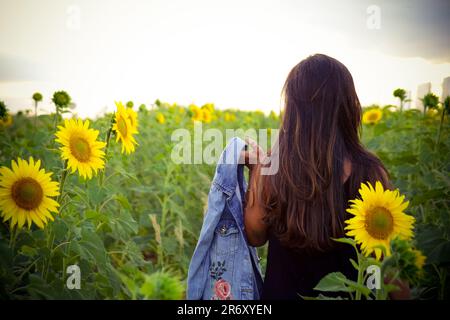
<point x="222" y="288"/>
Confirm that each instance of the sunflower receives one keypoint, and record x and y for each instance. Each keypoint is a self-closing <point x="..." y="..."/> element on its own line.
<point x="420" y="259"/>
<point x="80" y="147"/>
<point x="372" y="116"/>
<point x="6" y="121"/>
<point x="208" y="106"/>
<point x="197" y="113"/>
<point x="124" y="128"/>
<point x="132" y="116"/>
<point x="207" y="116"/>
<point x="160" y="118"/>
<point x="273" y="115"/>
<point x="229" y="117"/>
<point x="259" y="113"/>
<point x="25" y="194"/>
<point x="192" y="107"/>
<point x="378" y="218"/>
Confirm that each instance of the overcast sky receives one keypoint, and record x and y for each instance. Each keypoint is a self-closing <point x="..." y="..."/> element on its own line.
<point x="235" y="53"/>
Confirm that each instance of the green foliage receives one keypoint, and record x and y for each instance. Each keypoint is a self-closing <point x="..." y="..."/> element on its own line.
<point x="105" y="227"/>
<point x="403" y="262"/>
<point x="162" y="286"/>
<point x="420" y="167"/>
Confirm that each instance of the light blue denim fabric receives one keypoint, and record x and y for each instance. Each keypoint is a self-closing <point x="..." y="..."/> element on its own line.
<point x="222" y="252"/>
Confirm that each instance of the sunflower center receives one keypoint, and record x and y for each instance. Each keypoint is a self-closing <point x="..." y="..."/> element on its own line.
<point x="80" y="149"/>
<point x="27" y="193"/>
<point x="122" y="126"/>
<point x="379" y="223"/>
<point x="373" y="116"/>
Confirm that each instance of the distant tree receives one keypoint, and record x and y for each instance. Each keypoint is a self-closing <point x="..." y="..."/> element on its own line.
<point x="130" y="104"/>
<point x="3" y="110"/>
<point x="37" y="97"/>
<point x="429" y="101"/>
<point x="401" y="94"/>
<point x="447" y="105"/>
<point x="445" y="109"/>
<point x="5" y="117"/>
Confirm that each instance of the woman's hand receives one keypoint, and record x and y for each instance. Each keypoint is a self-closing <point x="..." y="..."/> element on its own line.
<point x="253" y="154"/>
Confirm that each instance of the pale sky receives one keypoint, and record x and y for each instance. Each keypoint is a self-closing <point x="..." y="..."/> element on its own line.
<point x="236" y="54"/>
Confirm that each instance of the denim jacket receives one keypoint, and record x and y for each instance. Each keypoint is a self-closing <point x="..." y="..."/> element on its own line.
<point x="224" y="266"/>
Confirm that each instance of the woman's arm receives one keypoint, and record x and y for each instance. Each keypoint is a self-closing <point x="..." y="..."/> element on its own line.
<point x="255" y="227"/>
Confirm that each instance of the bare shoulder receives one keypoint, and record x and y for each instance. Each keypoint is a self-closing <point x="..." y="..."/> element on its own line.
<point x="384" y="177"/>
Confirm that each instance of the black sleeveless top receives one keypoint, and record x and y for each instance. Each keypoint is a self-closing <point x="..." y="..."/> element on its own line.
<point x="291" y="273"/>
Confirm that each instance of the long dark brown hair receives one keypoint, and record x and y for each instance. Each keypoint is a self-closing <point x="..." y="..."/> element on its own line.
<point x="306" y="199"/>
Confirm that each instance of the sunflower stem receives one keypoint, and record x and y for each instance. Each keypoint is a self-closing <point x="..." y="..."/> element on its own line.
<point x="51" y="235"/>
<point x="63" y="180"/>
<point x="35" y="115"/>
<point x="360" y="277"/>
<point x="56" y="123"/>
<point x="107" y="140"/>
<point x="47" y="261"/>
<point x="14" y="232"/>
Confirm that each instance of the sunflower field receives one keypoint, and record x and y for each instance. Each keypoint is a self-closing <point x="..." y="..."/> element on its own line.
<point x="105" y="196"/>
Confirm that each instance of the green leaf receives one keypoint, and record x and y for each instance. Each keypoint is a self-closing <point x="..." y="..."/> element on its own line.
<point x="28" y="251"/>
<point x="346" y="240"/>
<point x="334" y="282"/>
<point x="123" y="201"/>
<point x="322" y="297"/>
<point x="359" y="287"/>
<point x="440" y="254"/>
<point x="92" y="248"/>
<point x="354" y="264"/>
<point x="96" y="195"/>
<point x="93" y="214"/>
